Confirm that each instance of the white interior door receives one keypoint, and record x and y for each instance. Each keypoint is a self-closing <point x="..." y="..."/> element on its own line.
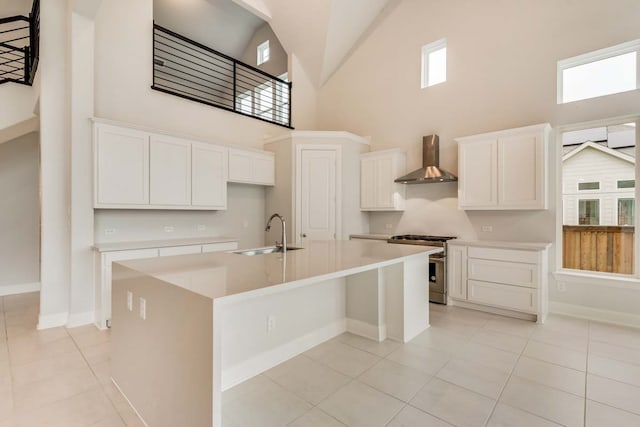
<point x="318" y="194"/>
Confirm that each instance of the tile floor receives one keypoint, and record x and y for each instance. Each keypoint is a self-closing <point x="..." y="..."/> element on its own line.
<point x="468" y="369"/>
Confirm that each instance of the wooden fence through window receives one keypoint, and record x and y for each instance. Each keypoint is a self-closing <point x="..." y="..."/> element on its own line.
<point x="598" y="248"/>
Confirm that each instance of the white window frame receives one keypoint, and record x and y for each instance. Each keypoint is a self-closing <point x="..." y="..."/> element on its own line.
<point x="260" y="51"/>
<point x="598" y="55"/>
<point x="427" y="50"/>
<point x="617" y="207"/>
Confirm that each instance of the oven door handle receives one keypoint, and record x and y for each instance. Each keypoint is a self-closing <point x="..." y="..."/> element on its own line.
<point x="440" y="260"/>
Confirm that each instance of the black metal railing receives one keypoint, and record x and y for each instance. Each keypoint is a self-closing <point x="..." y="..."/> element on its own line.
<point x="19" y="47"/>
<point x="193" y="71"/>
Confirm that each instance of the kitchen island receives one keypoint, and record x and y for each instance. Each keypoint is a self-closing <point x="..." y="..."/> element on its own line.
<point x="187" y="327"/>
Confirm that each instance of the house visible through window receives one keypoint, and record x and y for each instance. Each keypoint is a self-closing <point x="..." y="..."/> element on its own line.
<point x="263" y="52"/>
<point x="627" y="183"/>
<point x="625" y="211"/>
<point x="603" y="72"/>
<point x="589" y="212"/>
<point x="434" y="63"/>
<point x="588" y="186"/>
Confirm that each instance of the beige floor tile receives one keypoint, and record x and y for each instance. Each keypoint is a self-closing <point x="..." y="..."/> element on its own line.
<point x="454" y="326"/>
<point x="508" y="416"/>
<point x="342" y="358"/>
<point x="381" y="349"/>
<point x="551" y="375"/>
<point x="499" y="340"/>
<point x="561" y="407"/>
<point x="122" y="406"/>
<point x="614" y="369"/>
<point x="316" y="418"/>
<point x="566" y="325"/>
<point x="557" y="355"/>
<point x="441" y="339"/>
<point x="89" y="335"/>
<point x="359" y="405"/>
<point x="114" y="420"/>
<point x="266" y="406"/>
<point x="453" y="404"/>
<point x="507" y="325"/>
<point x="307" y="378"/>
<point x="399" y="381"/>
<point x="561" y="339"/>
<point x="47" y="368"/>
<point x="410" y="416"/>
<point x="599" y="415"/>
<point x="24" y="351"/>
<point x="102" y="371"/>
<point x="612" y="334"/>
<point x="488" y="356"/>
<point x="37" y="394"/>
<point x="616" y="352"/>
<point x="613" y="393"/>
<point x="475" y="377"/>
<point x="425" y="359"/>
<point x="98" y="353"/>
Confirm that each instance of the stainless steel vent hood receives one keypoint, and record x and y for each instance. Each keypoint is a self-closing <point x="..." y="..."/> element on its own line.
<point x="430" y="171"/>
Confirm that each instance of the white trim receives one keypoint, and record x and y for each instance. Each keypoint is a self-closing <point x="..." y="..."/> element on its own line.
<point x="589" y="57"/>
<point x="22" y="288"/>
<point x="598" y="278"/>
<point x="53" y="320"/>
<point x="539" y="128"/>
<point x="129" y="402"/>
<point x="599" y="147"/>
<point x="367" y="330"/>
<point x="493" y="310"/>
<point x="81" y="319"/>
<point x="236" y="374"/>
<point x="326" y="135"/>
<point x="260" y="51"/>
<point x="596" y="314"/>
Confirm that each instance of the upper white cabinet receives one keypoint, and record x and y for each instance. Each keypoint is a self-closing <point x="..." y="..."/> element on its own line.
<point x="251" y="167"/>
<point x="136" y="169"/>
<point x="504" y="170"/>
<point x="378" y="170"/>
<point x="121" y="167"/>
<point x="169" y="171"/>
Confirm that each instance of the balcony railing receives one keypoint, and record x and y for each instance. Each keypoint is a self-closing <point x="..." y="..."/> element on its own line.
<point x="598" y="248"/>
<point x="19" y="47"/>
<point x="190" y="70"/>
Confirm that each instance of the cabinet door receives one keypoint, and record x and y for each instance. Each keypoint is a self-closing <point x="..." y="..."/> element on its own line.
<point x="521" y="172"/>
<point x="477" y="169"/>
<point x="208" y="176"/>
<point x="385" y="187"/>
<point x="170" y="171"/>
<point x="368" y="183"/>
<point x="504" y="296"/>
<point x="121" y="167"/>
<point x="264" y="169"/>
<point x="240" y="166"/>
<point x="457" y="272"/>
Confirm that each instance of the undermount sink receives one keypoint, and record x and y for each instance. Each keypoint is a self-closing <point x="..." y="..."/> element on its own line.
<point x="263" y="251"/>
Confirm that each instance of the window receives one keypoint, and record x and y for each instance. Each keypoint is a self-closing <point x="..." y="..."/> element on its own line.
<point x="603" y="72"/>
<point x="588" y="186"/>
<point x="243" y="103"/>
<point x="627" y="183"/>
<point x="589" y="212"/>
<point x="434" y="63"/>
<point x="263" y="52"/>
<point x="625" y="211"/>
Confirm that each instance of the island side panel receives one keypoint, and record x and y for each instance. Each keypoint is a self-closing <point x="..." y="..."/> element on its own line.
<point x="363" y="305"/>
<point x="162" y="364"/>
<point x="415" y="296"/>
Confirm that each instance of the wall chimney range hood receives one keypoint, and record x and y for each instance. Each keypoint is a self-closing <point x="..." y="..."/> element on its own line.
<point x="430" y="171"/>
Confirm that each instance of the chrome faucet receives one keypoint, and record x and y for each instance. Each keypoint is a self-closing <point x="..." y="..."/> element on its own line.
<point x="284" y="230"/>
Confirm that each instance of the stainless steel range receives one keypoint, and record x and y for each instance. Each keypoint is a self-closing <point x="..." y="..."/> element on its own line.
<point x="437" y="262"/>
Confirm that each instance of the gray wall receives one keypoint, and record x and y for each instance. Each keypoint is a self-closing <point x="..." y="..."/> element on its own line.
<point x="19" y="211"/>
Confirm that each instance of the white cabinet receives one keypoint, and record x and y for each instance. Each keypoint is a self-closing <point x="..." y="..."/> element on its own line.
<point x="251" y="167"/>
<point x="501" y="275"/>
<point x="208" y="176"/>
<point x="378" y="170"/>
<point x="169" y="171"/>
<point x="505" y="170"/>
<point x="103" y="262"/>
<point x="121" y="167"/>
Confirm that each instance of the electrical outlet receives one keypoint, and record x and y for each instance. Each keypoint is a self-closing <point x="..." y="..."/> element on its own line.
<point x="109" y="231"/>
<point x="562" y="287"/>
<point x="271" y="322"/>
<point x="201" y="227"/>
<point x="143" y="308"/>
<point x="169" y="228"/>
<point x="130" y="300"/>
<point x="388" y="226"/>
<point x="487" y="228"/>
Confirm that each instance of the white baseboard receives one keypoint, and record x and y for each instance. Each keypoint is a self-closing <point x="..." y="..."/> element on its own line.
<point x="80" y="319"/>
<point x="367" y="330"/>
<point x="53" y="320"/>
<point x="597" y="314"/>
<point x="264" y="361"/>
<point x="22" y="288"/>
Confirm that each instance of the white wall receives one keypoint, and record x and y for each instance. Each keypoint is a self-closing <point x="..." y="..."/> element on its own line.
<point x="16" y="104"/>
<point x="278" y="62"/>
<point x="19" y="213"/>
<point x="502" y="60"/>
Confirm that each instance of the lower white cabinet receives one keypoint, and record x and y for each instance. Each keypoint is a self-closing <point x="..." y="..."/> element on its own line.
<point x="502" y="275"/>
<point x="104" y="260"/>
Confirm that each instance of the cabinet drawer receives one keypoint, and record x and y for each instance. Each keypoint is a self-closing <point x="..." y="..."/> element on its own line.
<point x="219" y="247"/>
<point x="503" y="254"/>
<point x="509" y="273"/>
<point x="181" y="250"/>
<point x="504" y="296"/>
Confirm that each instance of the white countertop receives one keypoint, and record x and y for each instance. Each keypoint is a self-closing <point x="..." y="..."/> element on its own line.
<point x="371" y="236"/>
<point x="223" y="274"/>
<point x="165" y="243"/>
<point x="527" y="246"/>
